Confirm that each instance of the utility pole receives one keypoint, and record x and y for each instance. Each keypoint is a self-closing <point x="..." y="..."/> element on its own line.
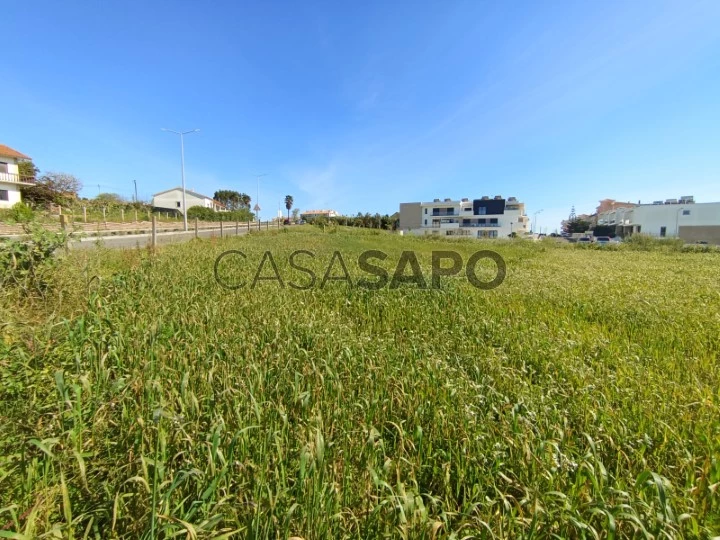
<point x="136" y="198"/>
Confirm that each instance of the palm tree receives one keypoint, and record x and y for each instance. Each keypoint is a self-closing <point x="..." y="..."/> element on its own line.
<point x="288" y="204"/>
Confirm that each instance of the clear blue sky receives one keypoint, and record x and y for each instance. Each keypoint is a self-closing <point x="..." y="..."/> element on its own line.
<point x="359" y="106"/>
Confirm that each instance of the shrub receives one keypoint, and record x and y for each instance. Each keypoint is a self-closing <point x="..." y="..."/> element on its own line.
<point x="21" y="213"/>
<point x="645" y="242"/>
<point x="208" y="214"/>
<point x="22" y="261"/>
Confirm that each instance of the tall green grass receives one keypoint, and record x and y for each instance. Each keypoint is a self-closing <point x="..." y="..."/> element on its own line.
<point x="580" y="399"/>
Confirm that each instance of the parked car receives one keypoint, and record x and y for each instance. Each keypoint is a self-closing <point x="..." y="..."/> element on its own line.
<point x="602" y="240"/>
<point x="584" y="240"/>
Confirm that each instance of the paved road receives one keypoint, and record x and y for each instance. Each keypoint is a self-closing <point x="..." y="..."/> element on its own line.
<point x="130" y="241"/>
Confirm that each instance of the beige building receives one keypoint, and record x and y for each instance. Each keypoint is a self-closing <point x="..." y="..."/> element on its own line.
<point x="171" y="200"/>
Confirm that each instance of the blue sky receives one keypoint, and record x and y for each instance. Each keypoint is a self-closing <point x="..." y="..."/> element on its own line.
<point x="360" y="106"/>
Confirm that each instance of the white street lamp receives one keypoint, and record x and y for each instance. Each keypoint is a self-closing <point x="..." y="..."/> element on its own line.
<point x="535" y="219"/>
<point x="257" y="195"/>
<point x="182" y="168"/>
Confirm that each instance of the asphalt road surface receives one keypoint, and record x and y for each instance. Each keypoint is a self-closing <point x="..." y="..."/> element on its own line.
<point x="130" y="241"/>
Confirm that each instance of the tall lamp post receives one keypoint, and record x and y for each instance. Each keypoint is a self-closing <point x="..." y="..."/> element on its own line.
<point x="535" y="219"/>
<point x="257" y="194"/>
<point x="182" y="167"/>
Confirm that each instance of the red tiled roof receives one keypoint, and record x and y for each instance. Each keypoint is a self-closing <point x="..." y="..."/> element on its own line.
<point x="6" y="151"/>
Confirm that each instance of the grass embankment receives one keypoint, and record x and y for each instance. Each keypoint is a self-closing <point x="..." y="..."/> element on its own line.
<point x="140" y="399"/>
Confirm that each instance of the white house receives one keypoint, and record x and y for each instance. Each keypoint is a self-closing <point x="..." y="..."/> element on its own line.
<point x="673" y="218"/>
<point x="480" y="218"/>
<point x="10" y="179"/>
<point x="310" y="214"/>
<point x="171" y="201"/>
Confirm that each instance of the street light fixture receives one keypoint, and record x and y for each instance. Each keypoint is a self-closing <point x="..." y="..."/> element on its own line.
<point x="535" y="219"/>
<point x="182" y="168"/>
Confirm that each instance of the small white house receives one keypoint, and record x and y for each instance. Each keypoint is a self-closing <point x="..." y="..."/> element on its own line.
<point x="171" y="201"/>
<point x="10" y="179"/>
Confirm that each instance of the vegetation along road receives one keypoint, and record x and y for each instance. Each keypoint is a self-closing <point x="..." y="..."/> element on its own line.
<point x="579" y="399"/>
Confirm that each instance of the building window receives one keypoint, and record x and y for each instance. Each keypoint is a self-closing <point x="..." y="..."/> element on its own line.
<point x="686" y="212"/>
<point x="426" y="210"/>
<point x="4" y="195"/>
<point x="3" y="167"/>
<point x="468" y="209"/>
<point x="662" y="231"/>
<point x="426" y="222"/>
<point x="482" y="211"/>
<point x="178" y="204"/>
<point x="493" y="220"/>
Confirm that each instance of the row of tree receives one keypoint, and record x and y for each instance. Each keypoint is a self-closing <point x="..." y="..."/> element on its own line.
<point x="367" y="220"/>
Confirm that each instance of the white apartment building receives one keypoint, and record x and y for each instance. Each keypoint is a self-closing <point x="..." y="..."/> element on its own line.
<point x="673" y="218"/>
<point x="10" y="179"/>
<point x="171" y="201"/>
<point x="486" y="217"/>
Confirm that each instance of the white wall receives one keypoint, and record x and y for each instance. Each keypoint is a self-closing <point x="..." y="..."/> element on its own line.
<point x="13" y="194"/>
<point x="11" y="165"/>
<point x="172" y="198"/>
<point x="652" y="217"/>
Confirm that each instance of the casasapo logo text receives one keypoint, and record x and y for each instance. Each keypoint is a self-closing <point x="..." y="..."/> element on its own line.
<point x="407" y="270"/>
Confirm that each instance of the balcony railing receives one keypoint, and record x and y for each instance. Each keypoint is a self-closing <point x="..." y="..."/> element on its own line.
<point x="15" y="178"/>
<point x="444" y="214"/>
<point x="479" y="224"/>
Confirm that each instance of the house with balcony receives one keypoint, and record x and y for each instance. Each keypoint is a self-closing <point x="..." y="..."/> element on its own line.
<point x="10" y="179"/>
<point x="486" y="217"/>
<point x="171" y="200"/>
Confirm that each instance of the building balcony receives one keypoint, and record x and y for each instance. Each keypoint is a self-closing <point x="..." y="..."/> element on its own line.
<point x="480" y="225"/>
<point x="445" y="214"/>
<point x="10" y="178"/>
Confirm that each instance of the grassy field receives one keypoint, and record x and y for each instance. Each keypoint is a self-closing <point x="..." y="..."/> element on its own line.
<point x="579" y="399"/>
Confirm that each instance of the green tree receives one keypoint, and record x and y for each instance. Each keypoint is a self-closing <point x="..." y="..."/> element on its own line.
<point x="52" y="188"/>
<point x="245" y="199"/>
<point x="230" y="198"/>
<point x="109" y="199"/>
<point x="288" y="204"/>
<point x="295" y="214"/>
<point x="28" y="171"/>
<point x="576" y="226"/>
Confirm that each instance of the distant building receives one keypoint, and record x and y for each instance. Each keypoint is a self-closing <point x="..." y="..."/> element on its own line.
<point x="311" y="214"/>
<point x="171" y="201"/>
<point x="10" y="179"/>
<point x="485" y="217"/>
<point x="607" y="205"/>
<point x="673" y="218"/>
